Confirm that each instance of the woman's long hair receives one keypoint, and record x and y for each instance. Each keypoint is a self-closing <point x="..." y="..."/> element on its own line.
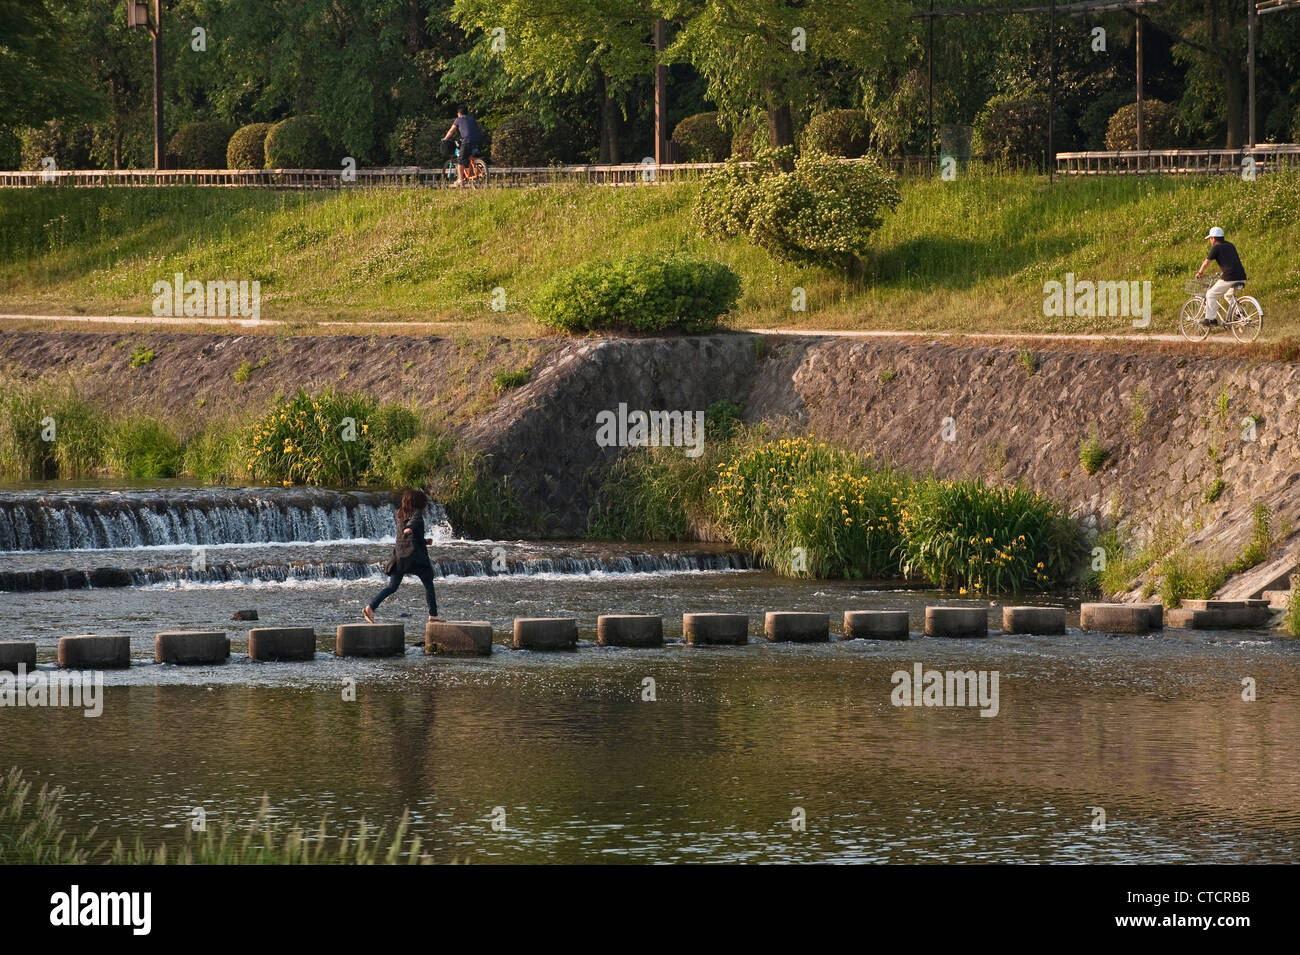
<point x="413" y="502"/>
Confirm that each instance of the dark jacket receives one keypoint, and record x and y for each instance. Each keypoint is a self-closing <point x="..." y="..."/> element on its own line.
<point x="409" y="552"/>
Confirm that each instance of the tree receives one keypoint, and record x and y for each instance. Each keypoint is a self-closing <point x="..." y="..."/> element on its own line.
<point x="550" y="47"/>
<point x="43" y="73"/>
<point x="772" y="55"/>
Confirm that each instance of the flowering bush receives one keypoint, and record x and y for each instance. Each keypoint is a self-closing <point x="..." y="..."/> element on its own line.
<point x="326" y="439"/>
<point x="823" y="212"/>
<point x="964" y="534"/>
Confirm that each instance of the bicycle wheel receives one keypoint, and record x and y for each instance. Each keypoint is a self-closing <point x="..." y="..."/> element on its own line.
<point x="480" y="172"/>
<point x="451" y="172"/>
<point x="1191" y="320"/>
<point x="1249" y="319"/>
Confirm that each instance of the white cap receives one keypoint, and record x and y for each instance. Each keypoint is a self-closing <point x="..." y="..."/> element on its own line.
<point x="1215" y="233"/>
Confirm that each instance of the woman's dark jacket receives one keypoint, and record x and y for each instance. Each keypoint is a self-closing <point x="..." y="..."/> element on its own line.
<point x="410" y="553"/>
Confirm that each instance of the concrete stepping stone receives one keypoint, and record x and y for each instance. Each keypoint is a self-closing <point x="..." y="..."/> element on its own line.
<point x="876" y="625"/>
<point x="282" y="644"/>
<point x="629" y="630"/>
<point x="943" y="621"/>
<point x="458" y="638"/>
<point x="789" y="626"/>
<point x="191" y="647"/>
<point x="14" y="652"/>
<point x="370" y="640"/>
<point x="1117" y="618"/>
<point x="545" y="633"/>
<point x="715" y="628"/>
<point x="95" y="651"/>
<point x="1238" y="617"/>
<point x="1034" y="620"/>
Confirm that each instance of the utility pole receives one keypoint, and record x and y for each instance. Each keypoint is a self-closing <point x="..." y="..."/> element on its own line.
<point x="929" y="87"/>
<point x="661" y="95"/>
<point x="1141" y="125"/>
<point x="1251" y="27"/>
<point x="1051" y="94"/>
<point x="137" y="15"/>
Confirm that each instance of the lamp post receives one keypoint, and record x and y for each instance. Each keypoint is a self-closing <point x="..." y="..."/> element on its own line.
<point x="137" y="15"/>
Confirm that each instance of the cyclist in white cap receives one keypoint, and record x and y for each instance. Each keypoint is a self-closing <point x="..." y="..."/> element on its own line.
<point x="1224" y="254"/>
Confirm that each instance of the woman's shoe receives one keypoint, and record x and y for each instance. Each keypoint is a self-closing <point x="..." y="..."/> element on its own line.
<point x="368" y="614"/>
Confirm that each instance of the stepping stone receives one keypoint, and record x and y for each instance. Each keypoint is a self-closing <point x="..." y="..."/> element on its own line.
<point x="1117" y="618"/>
<point x="1035" y="620"/>
<point x="796" y="627"/>
<point x="14" y="652"/>
<point x="1155" y="615"/>
<point x="545" y="633"/>
<point x="458" y="638"/>
<point x="370" y="640"/>
<point x="281" y="644"/>
<point x="95" y="651"/>
<point x="1218" y="618"/>
<point x="956" y="622"/>
<point x="191" y="647"/>
<point x="244" y="615"/>
<point x="876" y="625"/>
<point x="715" y="628"/>
<point x="629" y="630"/>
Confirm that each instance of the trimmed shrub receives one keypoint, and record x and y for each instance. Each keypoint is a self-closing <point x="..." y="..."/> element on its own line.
<point x="518" y="140"/>
<point x="247" y="147"/>
<point x="838" y="132"/>
<point x="1011" y="129"/>
<point x="702" y="138"/>
<point x="727" y="198"/>
<point x="69" y="145"/>
<point x="201" y="145"/>
<point x="298" y="142"/>
<point x="640" y="293"/>
<point x="416" y="141"/>
<point x="1159" y="121"/>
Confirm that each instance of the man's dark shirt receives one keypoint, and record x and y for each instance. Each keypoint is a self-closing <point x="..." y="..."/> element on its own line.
<point x="467" y="126"/>
<point x="1225" y="254"/>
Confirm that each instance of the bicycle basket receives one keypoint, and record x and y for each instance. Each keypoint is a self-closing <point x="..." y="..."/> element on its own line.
<point x="1198" y="286"/>
<point x="448" y="148"/>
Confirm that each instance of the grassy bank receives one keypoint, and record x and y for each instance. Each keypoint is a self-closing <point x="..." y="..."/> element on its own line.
<point x="971" y="255"/>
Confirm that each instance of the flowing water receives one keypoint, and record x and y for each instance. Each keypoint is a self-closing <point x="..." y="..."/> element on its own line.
<point x="529" y="757"/>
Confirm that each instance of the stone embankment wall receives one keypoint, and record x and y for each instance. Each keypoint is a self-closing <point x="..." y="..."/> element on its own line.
<point x="1193" y="438"/>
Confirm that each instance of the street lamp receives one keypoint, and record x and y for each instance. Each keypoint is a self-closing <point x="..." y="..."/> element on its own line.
<point x="137" y="15"/>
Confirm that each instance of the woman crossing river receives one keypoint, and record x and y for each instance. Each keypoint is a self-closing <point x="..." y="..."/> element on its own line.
<point x="410" y="555"/>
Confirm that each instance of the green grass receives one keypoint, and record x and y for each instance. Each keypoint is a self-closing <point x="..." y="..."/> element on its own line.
<point x="33" y="832"/>
<point x="1092" y="453"/>
<point x="970" y="255"/>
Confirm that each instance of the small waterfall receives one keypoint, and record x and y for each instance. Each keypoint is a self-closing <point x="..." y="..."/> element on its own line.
<point x="88" y="520"/>
<point x="219" y="573"/>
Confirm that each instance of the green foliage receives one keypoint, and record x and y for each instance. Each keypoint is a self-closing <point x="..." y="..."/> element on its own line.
<point x="145" y="449"/>
<point x="504" y="381"/>
<point x="702" y="138"/>
<point x="1138" y="410"/>
<point x="1092" y="453"/>
<point x="1159" y="126"/>
<point x="201" y="145"/>
<point x="645" y="498"/>
<point x="142" y="356"/>
<point x="31" y="412"/>
<point x="478" y="502"/>
<point x="518" y="140"/>
<point x="838" y="132"/>
<point x="298" y="142"/>
<point x="1291" y="619"/>
<point x="417" y="141"/>
<point x="247" y="147"/>
<point x="1185" y="576"/>
<point x="318" y="440"/>
<point x="967" y="535"/>
<point x="1262" y="543"/>
<point x="1215" y="490"/>
<point x="886" y="375"/>
<point x="67" y="143"/>
<point x="32" y="832"/>
<point x="1011" y="130"/>
<point x="640" y="293"/>
<point x="213" y="456"/>
<point x="1027" y="360"/>
<point x="823" y="212"/>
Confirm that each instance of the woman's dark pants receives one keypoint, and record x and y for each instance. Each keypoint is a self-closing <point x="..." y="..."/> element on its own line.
<point x="395" y="581"/>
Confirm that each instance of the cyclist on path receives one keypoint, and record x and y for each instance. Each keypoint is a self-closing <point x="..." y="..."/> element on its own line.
<point x="1224" y="254"/>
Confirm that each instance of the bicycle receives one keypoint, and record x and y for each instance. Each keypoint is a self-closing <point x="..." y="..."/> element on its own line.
<point x="1244" y="318"/>
<point x="478" y="169"/>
